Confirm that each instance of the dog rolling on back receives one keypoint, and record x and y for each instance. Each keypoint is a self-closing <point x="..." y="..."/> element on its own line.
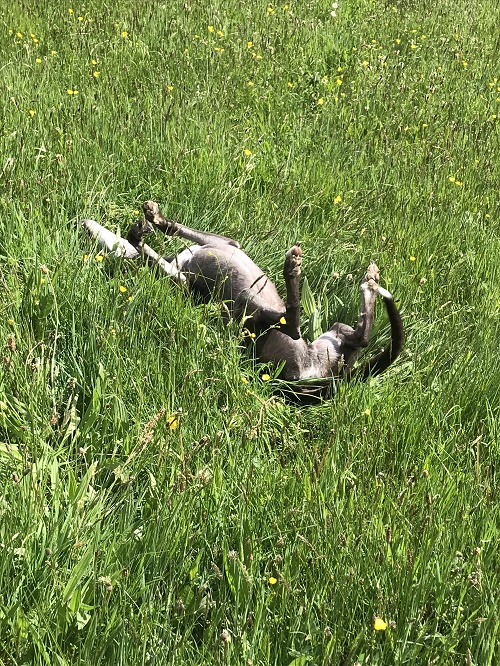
<point x="216" y="267"/>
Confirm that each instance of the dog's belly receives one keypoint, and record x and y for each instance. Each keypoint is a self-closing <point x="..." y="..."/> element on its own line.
<point x="229" y="275"/>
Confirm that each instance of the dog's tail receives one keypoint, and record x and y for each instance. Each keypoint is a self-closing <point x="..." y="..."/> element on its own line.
<point x="313" y="391"/>
<point x="383" y="360"/>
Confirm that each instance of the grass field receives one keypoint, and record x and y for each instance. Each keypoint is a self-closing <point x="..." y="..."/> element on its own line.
<point x="159" y="504"/>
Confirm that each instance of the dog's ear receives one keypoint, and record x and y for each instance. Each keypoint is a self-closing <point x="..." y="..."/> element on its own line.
<point x="138" y="230"/>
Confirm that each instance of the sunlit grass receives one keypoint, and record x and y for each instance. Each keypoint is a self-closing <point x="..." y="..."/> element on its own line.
<point x="159" y="503"/>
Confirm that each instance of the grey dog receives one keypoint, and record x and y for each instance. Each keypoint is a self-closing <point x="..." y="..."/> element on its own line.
<point x="216" y="267"/>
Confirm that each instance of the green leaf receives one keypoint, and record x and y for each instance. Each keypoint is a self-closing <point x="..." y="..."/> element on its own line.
<point x="306" y="298"/>
<point x="79" y="571"/>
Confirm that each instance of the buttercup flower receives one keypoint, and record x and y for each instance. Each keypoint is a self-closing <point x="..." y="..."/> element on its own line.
<point x="379" y="624"/>
<point x="173" y="422"/>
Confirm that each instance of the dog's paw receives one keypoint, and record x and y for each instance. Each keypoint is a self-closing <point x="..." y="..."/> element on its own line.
<point x="153" y="214"/>
<point x="372" y="277"/>
<point x="293" y="261"/>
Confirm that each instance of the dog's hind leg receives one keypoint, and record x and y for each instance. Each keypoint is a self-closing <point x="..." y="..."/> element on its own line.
<point x="153" y="214"/>
<point x="360" y="335"/>
<point x="291" y="273"/>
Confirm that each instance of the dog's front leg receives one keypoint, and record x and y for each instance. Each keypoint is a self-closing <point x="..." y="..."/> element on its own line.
<point x="135" y="237"/>
<point x="109" y="241"/>
<point x="131" y="247"/>
<point x="153" y="214"/>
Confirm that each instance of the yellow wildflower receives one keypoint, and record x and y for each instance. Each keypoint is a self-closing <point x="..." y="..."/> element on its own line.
<point x="173" y="421"/>
<point x="249" y="45"/>
<point x="99" y="257"/>
<point x="412" y="258"/>
<point x="247" y="152"/>
<point x="337" y="199"/>
<point x="220" y="33"/>
<point x="211" y="28"/>
<point x="272" y="580"/>
<point x="124" y="33"/>
<point x="32" y="112"/>
<point x="70" y="10"/>
<point x="265" y="377"/>
<point x="244" y="380"/>
<point x="379" y="624"/>
<point x="19" y="34"/>
<point x="123" y="289"/>
<point x="38" y="61"/>
<point x="282" y="320"/>
<point x="321" y="100"/>
<point x="95" y="74"/>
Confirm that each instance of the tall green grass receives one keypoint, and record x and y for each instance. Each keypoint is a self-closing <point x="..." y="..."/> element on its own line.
<point x="159" y="503"/>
